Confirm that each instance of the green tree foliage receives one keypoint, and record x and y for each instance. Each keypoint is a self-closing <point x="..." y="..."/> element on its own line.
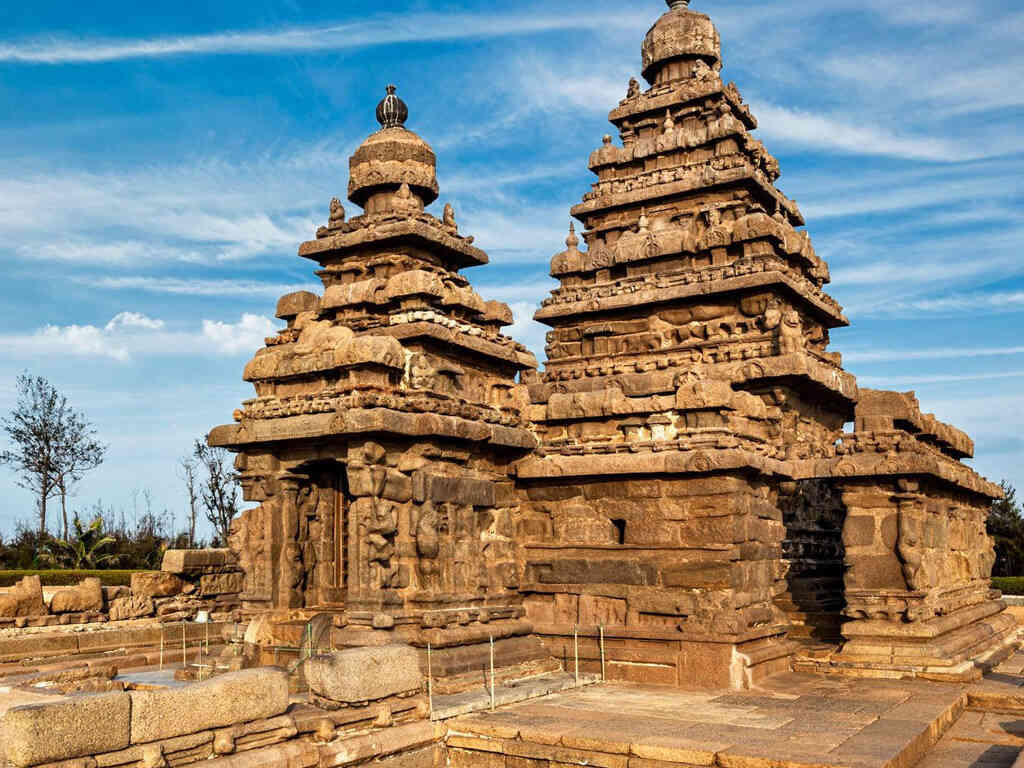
<point x="1006" y="527"/>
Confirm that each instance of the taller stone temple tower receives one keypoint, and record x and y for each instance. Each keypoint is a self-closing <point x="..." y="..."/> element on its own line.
<point x="674" y="495"/>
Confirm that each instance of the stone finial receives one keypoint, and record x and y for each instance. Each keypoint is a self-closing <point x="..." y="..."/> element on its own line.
<point x="392" y="112"/>
<point x="572" y="241"/>
<point x="678" y="5"/>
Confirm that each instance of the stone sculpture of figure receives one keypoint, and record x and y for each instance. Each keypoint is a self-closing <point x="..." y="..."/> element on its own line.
<point x="422" y="375"/>
<point x="294" y="575"/>
<point x="701" y="70"/>
<point x="337" y="214"/>
<point x="465" y="548"/>
<point x="449" y="218"/>
<point x="428" y="545"/>
<point x="667" y="140"/>
<point x="911" y="547"/>
<point x="772" y="315"/>
<point x="634" y="89"/>
<point x="404" y="200"/>
<point x="381" y="528"/>
<point x="791" y="333"/>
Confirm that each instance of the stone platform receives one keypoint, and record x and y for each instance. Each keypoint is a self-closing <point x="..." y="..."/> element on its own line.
<point x="796" y="720"/>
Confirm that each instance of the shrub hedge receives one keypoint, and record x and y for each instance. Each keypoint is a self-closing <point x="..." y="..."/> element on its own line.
<point x="68" y="578"/>
<point x="1009" y="585"/>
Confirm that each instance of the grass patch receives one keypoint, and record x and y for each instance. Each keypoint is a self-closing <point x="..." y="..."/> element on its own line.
<point x="56" y="578"/>
<point x="1009" y="585"/>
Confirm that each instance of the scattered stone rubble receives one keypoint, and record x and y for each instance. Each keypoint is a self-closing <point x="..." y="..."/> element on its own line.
<point x="188" y="582"/>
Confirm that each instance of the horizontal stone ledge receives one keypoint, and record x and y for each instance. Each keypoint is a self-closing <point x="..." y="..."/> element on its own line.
<point x="928" y="629"/>
<point x="301" y="754"/>
<point x="697" y="290"/>
<point x="866" y="465"/>
<point x="183" y="561"/>
<point x="481" y="346"/>
<point x="656" y="634"/>
<point x="569" y="548"/>
<point x="361" y="421"/>
<point x="648" y="194"/>
<point x="456" y="250"/>
<point x="380" y="743"/>
<point x="695" y="462"/>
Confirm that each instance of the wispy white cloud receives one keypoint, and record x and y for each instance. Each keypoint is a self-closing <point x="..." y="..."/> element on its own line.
<point x="382" y="30"/>
<point x="193" y="286"/>
<point x="1002" y="301"/>
<point x="133" y="320"/>
<point x="940" y="353"/>
<point x="951" y="378"/>
<point x="246" y="335"/>
<point x="132" y="335"/>
<point x="823" y="132"/>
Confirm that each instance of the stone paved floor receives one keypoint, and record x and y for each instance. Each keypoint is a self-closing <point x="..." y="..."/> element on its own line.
<point x="795" y="720"/>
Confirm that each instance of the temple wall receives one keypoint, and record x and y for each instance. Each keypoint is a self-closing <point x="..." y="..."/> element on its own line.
<point x="669" y="568"/>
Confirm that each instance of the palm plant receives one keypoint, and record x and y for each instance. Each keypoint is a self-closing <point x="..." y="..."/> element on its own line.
<point x="84" y="551"/>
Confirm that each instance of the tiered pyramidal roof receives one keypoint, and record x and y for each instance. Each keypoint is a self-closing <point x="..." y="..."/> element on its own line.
<point x="693" y="269"/>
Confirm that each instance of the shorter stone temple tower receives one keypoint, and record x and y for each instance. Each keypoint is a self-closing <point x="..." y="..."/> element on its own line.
<point x="675" y="495"/>
<point x="386" y="420"/>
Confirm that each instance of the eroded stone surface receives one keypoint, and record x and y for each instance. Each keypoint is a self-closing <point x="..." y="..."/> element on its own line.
<point x="66" y="728"/>
<point x="365" y="674"/>
<point x="237" y="697"/>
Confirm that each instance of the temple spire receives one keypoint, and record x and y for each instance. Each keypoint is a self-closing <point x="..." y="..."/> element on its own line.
<point x="678" y="5"/>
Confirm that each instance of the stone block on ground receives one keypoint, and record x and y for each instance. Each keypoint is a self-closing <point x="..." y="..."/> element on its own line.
<point x="365" y="674"/>
<point x="156" y="584"/>
<point x="182" y="561"/>
<point x="24" y="599"/>
<point x="238" y="697"/>
<point x="67" y="728"/>
<point x="86" y="596"/>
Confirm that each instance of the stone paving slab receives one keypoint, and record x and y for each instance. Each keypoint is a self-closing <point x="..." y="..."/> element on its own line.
<point x="795" y="721"/>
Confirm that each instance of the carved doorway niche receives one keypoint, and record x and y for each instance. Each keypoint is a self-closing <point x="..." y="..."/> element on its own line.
<point x="325" y="551"/>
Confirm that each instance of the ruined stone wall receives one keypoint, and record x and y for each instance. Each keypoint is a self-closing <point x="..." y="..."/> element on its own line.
<point x="240" y="719"/>
<point x="189" y="581"/>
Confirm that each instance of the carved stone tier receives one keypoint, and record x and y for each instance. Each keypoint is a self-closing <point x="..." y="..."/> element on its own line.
<point x="422" y="231"/>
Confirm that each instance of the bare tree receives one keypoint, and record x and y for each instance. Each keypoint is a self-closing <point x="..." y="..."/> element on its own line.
<point x="187" y="467"/>
<point x="219" y="488"/>
<point x="78" y="452"/>
<point x="52" y="445"/>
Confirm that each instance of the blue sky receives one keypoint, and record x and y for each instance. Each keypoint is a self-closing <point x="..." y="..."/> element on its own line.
<point x="159" y="167"/>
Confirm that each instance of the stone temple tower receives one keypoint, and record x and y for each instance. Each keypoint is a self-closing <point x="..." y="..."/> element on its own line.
<point x="385" y="420"/>
<point x="691" y="414"/>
